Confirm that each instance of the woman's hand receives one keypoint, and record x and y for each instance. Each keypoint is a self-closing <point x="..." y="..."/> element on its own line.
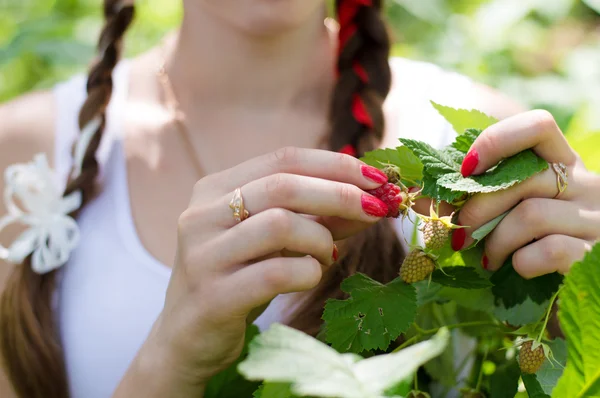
<point x="546" y="233"/>
<point x="300" y="201"/>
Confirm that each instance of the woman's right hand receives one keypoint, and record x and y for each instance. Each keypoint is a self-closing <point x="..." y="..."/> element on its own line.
<point x="300" y="202"/>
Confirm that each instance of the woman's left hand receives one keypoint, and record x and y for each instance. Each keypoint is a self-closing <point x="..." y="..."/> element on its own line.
<point x="546" y="232"/>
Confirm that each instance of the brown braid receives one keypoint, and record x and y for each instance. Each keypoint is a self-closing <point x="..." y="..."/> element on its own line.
<point x="29" y="338"/>
<point x="377" y="252"/>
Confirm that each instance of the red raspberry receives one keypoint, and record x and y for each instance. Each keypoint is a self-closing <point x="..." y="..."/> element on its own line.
<point x="392" y="196"/>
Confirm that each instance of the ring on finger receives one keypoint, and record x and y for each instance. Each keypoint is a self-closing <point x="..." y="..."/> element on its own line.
<point x="562" y="178"/>
<point x="237" y="205"/>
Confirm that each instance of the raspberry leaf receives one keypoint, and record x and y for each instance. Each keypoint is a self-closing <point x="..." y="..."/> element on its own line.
<point x="579" y="315"/>
<point x="411" y="168"/>
<point x="487" y="228"/>
<point x="433" y="190"/>
<point x="533" y="387"/>
<point x="274" y="390"/>
<point x="464" y="141"/>
<point x="524" y="313"/>
<point x="460" y="277"/>
<point x="462" y="119"/>
<point x="434" y="161"/>
<point x="552" y="370"/>
<point x="507" y="173"/>
<point x="373" y="316"/>
<point x="504" y="383"/>
<point x="511" y="288"/>
<point x="283" y="354"/>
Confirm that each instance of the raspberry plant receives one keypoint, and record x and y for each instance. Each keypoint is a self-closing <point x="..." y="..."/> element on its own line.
<point x="444" y="325"/>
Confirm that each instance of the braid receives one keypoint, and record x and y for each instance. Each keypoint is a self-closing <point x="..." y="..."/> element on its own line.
<point x="29" y="337"/>
<point x="364" y="77"/>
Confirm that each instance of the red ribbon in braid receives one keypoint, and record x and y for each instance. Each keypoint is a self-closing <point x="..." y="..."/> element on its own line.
<point x="347" y="11"/>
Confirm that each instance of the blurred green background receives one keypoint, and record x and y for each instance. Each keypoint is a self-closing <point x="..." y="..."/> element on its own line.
<point x="545" y="53"/>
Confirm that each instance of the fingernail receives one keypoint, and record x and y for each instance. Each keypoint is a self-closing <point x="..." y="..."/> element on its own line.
<point x="373" y="206"/>
<point x="413" y="189"/>
<point x="458" y="238"/>
<point x="335" y="254"/>
<point x="469" y="163"/>
<point x="374" y="174"/>
<point x="485" y="262"/>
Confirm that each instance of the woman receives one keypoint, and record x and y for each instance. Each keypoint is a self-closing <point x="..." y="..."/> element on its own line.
<point x="240" y="80"/>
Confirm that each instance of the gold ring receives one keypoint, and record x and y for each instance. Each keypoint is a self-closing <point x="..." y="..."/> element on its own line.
<point x="237" y="205"/>
<point x="562" y="178"/>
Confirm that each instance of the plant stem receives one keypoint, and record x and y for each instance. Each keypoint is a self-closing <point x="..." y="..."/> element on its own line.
<point x="548" y="311"/>
<point x="481" y="369"/>
<point x="407" y="343"/>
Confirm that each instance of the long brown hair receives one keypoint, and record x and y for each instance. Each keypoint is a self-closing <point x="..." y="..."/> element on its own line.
<point x="29" y="338"/>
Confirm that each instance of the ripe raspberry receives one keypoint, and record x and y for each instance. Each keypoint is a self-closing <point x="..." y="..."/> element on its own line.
<point x="393" y="173"/>
<point x="530" y="361"/>
<point x="417" y="266"/>
<point x="436" y="230"/>
<point x="418" y="394"/>
<point x="392" y="196"/>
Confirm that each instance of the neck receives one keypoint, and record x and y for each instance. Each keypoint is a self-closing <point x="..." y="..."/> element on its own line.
<point x="215" y="65"/>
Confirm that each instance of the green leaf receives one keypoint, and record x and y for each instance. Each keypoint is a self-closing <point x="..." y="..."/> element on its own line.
<point x="487" y="228"/>
<point x="551" y="371"/>
<point x="511" y="288"/>
<point x="373" y="316"/>
<point x="229" y="383"/>
<point x="461" y="277"/>
<point x="462" y="119"/>
<point x="411" y="168"/>
<point x="509" y="172"/>
<point x="432" y="190"/>
<point x="273" y="390"/>
<point x="283" y="354"/>
<point x="505" y="380"/>
<point x="435" y="162"/>
<point x="521" y="314"/>
<point x="532" y="385"/>
<point x="579" y="316"/>
<point x="464" y="141"/>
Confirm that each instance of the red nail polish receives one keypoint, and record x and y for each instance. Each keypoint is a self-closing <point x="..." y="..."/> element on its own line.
<point x="458" y="238"/>
<point x="470" y="163"/>
<point x="374" y="174"/>
<point x="373" y="206"/>
<point x="485" y="262"/>
<point x="335" y="254"/>
<point x="413" y="189"/>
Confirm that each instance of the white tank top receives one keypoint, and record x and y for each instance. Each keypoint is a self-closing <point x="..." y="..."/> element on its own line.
<point x="112" y="289"/>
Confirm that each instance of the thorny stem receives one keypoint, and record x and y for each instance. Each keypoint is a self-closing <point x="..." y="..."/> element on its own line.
<point x="548" y="311"/>
<point x="422" y="332"/>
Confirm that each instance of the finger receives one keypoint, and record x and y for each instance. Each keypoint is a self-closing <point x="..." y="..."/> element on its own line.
<point x="483" y="208"/>
<point x="268" y="232"/>
<point x="554" y="253"/>
<point x="306" y="195"/>
<point x="257" y="284"/>
<point x="308" y="162"/>
<point x="534" y="219"/>
<point x="534" y="129"/>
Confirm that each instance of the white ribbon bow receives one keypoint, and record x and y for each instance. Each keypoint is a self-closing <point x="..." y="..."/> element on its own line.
<point x="52" y="234"/>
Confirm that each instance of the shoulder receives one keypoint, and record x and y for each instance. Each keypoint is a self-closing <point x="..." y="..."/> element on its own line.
<point x="415" y="84"/>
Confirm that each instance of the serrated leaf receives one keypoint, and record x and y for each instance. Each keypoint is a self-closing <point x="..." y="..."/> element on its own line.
<point x="434" y="161"/>
<point x="373" y="316"/>
<point x="229" y="383"/>
<point x="511" y="289"/>
<point x="460" y="277"/>
<point x="487" y="228"/>
<point x="579" y="315"/>
<point x="551" y="371"/>
<point x="505" y="380"/>
<point x="532" y="385"/>
<point x="476" y="299"/>
<point x="273" y="390"/>
<point x="521" y="314"/>
<point x="432" y="190"/>
<point x="462" y="119"/>
<point x="411" y="168"/>
<point x="509" y="172"/>
<point x="464" y="141"/>
<point x="283" y="354"/>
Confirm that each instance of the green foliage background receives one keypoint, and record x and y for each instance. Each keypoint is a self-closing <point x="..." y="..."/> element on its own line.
<point x="545" y="53"/>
